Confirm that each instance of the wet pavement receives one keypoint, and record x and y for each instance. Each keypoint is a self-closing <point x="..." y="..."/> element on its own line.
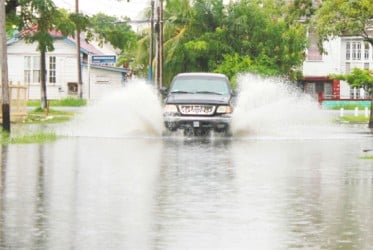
<point x="87" y="192"/>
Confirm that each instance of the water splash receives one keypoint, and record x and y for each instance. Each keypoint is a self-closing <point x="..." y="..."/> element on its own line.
<point x="134" y="110"/>
<point x="275" y="108"/>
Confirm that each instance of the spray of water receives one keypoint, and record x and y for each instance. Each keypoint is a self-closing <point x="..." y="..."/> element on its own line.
<point x="275" y="108"/>
<point x="265" y="108"/>
<point x="134" y="110"/>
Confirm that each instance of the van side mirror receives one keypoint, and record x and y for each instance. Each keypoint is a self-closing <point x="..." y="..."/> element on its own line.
<point x="163" y="91"/>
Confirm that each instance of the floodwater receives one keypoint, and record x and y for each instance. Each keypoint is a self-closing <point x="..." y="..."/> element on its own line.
<point x="286" y="182"/>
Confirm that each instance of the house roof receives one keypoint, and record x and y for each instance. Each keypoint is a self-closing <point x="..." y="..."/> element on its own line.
<point x="85" y="47"/>
<point x="114" y="69"/>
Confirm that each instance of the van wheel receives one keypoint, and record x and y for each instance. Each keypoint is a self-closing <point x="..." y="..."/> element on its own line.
<point x="201" y="132"/>
<point x="188" y="132"/>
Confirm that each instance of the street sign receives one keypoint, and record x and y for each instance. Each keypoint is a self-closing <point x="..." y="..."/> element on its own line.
<point x="104" y="59"/>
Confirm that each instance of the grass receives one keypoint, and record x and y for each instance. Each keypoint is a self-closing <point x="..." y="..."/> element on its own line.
<point x="42" y="116"/>
<point x="39" y="137"/>
<point x="39" y="115"/>
<point x="66" y="102"/>
<point x="368" y="157"/>
<point x="348" y="107"/>
<point x="354" y="119"/>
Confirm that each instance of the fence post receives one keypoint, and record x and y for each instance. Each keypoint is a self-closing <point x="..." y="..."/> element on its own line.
<point x="341" y="112"/>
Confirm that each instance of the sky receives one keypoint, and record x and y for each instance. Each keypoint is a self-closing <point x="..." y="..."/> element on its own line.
<point x="131" y="9"/>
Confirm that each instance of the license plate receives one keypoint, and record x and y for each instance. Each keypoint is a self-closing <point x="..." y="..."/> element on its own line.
<point x="196" y="124"/>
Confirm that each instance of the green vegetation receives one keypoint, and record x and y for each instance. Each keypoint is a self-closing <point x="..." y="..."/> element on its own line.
<point x="346" y="18"/>
<point x="368" y="157"/>
<point x="38" y="137"/>
<point x="259" y="36"/>
<point x="346" y="106"/>
<point x="40" y="115"/>
<point x="358" y="78"/>
<point x="354" y="119"/>
<point x="264" y="37"/>
<point x="340" y="18"/>
<point x="116" y="32"/>
<point x="37" y="20"/>
<point x="67" y="102"/>
<point x="50" y="115"/>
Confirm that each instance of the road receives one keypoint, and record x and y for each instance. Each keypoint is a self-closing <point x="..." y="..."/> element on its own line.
<point x="157" y="192"/>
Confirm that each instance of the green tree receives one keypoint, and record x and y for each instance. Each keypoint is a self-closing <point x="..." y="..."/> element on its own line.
<point x="116" y="32"/>
<point x="340" y="18"/>
<point x="207" y="45"/>
<point x="259" y="30"/>
<point x="177" y="17"/>
<point x="299" y="10"/>
<point x="358" y="78"/>
<point x="39" y="18"/>
<point x="206" y="35"/>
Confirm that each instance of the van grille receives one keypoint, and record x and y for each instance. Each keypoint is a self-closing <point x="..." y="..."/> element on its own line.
<point x="197" y="109"/>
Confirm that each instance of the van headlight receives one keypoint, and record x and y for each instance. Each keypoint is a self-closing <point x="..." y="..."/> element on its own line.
<point x="170" y="108"/>
<point x="224" y="109"/>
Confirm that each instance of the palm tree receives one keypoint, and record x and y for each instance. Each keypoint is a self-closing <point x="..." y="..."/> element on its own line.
<point x="177" y="14"/>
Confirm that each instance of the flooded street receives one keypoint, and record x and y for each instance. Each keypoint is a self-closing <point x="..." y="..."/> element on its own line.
<point x="174" y="193"/>
<point x="273" y="185"/>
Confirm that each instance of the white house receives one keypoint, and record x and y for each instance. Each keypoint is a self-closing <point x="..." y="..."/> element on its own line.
<point x="343" y="54"/>
<point x="24" y="68"/>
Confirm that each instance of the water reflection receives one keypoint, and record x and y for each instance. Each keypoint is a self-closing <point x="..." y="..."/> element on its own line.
<point x="79" y="194"/>
<point x="177" y="193"/>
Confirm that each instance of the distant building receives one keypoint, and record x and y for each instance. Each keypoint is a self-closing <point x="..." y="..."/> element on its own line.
<point x="97" y="78"/>
<point x="343" y="54"/>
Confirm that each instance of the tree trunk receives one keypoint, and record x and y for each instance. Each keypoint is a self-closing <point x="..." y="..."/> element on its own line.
<point x="4" y="70"/>
<point x="43" y="80"/>
<point x="79" y="63"/>
<point x="370" y="124"/>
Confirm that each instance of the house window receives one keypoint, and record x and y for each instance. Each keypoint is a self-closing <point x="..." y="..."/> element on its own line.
<point x="356" y="51"/>
<point x="72" y="88"/>
<point x="310" y="88"/>
<point x="313" y="51"/>
<point x="32" y="69"/>
<point x="52" y="69"/>
<point x="348" y="51"/>
<point x="366" y="51"/>
<point x="352" y="93"/>
<point x="348" y="68"/>
<point x="357" y="94"/>
<point x="328" y="89"/>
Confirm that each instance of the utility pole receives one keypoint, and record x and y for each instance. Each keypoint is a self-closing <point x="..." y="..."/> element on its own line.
<point x="160" y="45"/>
<point x="4" y="69"/>
<point x="151" y="47"/>
<point x="78" y="61"/>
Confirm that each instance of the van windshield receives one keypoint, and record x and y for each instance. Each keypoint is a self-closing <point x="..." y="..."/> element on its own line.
<point x="194" y="85"/>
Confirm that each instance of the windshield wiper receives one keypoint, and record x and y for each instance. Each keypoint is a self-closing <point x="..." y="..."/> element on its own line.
<point x="180" y="92"/>
<point x="208" y="92"/>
